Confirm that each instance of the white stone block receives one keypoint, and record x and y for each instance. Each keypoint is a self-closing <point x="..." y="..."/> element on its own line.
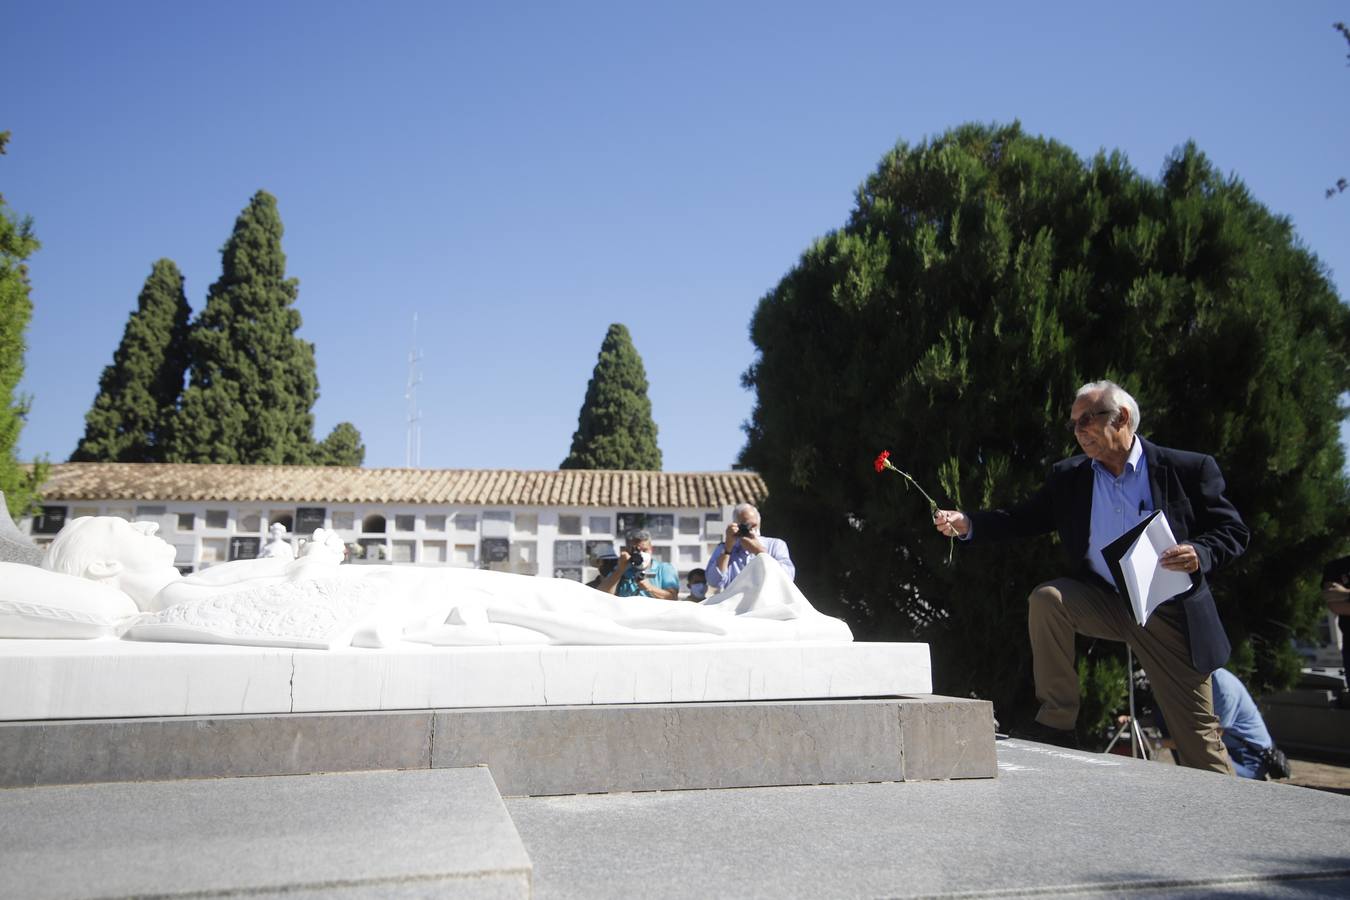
<point x="108" y="678"/>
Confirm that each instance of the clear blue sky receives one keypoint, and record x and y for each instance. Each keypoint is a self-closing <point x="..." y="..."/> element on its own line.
<point x="520" y="175"/>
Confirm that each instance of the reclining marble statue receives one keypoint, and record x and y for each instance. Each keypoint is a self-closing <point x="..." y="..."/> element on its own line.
<point x="313" y="601"/>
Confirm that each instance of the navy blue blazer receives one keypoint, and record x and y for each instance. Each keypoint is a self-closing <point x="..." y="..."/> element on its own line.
<point x="1187" y="487"/>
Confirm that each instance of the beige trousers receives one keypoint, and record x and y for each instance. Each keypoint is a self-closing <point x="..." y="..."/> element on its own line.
<point x="1064" y="606"/>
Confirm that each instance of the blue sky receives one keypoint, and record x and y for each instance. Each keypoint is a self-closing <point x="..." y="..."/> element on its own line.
<point x="520" y="175"/>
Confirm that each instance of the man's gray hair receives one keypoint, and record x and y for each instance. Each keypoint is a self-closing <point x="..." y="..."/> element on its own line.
<point x="637" y="536"/>
<point x="1115" y="398"/>
<point x="742" y="507"/>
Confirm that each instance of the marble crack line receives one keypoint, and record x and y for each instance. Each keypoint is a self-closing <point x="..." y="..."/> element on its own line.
<point x="431" y="750"/>
<point x="543" y="676"/>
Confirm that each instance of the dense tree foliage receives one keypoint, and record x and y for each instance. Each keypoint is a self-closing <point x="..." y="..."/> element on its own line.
<point x="17" y="243"/>
<point x="615" y="429"/>
<point x="982" y="277"/>
<point x="252" y="381"/>
<point x="342" y="447"/>
<point x="138" y="393"/>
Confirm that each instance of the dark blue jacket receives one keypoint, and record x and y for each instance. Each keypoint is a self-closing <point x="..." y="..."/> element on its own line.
<point x="1187" y="487"/>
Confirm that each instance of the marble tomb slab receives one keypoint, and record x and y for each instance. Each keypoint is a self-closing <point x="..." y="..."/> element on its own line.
<point x="48" y="679"/>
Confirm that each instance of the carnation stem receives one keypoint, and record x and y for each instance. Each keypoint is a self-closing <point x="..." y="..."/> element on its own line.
<point x="932" y="505"/>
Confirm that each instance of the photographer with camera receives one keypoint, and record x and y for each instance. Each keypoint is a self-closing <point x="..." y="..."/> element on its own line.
<point x="639" y="574"/>
<point x="742" y="542"/>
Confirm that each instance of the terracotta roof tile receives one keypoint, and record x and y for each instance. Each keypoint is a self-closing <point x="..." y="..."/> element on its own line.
<point x="457" y="487"/>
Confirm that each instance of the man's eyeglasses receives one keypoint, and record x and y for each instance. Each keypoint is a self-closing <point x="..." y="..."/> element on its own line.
<point x="1085" y="420"/>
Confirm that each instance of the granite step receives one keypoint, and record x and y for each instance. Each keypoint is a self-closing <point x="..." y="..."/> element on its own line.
<point x="371" y="834"/>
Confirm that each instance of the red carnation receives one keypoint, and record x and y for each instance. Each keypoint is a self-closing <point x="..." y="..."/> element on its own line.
<point x="883" y="462"/>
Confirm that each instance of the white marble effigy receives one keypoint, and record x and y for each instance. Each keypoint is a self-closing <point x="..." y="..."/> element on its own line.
<point x="109" y="678"/>
<point x="106" y="628"/>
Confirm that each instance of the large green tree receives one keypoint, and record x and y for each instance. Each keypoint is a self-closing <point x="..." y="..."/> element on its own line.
<point x="342" y="447"/>
<point x="615" y="429"/>
<point x="982" y="277"/>
<point x="138" y="393"/>
<point x="252" y="382"/>
<point x="17" y="243"/>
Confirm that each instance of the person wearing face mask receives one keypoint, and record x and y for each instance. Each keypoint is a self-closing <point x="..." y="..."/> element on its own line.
<point x="698" y="585"/>
<point x="639" y="574"/>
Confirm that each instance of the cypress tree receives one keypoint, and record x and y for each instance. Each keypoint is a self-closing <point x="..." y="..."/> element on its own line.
<point x="982" y="277"/>
<point x="342" y="447"/>
<point x="252" y="382"/>
<point x="615" y="429"/>
<point x="17" y="243"/>
<point x="138" y="393"/>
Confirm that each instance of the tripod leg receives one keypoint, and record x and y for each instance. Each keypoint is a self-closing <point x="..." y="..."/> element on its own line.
<point x="1138" y="732"/>
<point x="1136" y="740"/>
<point x="1115" y="738"/>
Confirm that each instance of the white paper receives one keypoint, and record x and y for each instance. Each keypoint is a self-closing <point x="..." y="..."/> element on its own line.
<point x="1148" y="584"/>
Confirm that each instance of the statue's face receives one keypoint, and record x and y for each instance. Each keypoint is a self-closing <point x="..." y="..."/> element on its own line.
<point x="139" y="549"/>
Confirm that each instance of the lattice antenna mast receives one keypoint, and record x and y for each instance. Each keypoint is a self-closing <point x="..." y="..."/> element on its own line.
<point x="413" y="442"/>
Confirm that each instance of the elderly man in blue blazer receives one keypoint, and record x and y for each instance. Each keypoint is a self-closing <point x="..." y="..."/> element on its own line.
<point x="1090" y="500"/>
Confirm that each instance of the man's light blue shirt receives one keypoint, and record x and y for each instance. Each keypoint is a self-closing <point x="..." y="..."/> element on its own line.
<point x="1244" y="731"/>
<point x="776" y="548"/>
<point x="1118" y="504"/>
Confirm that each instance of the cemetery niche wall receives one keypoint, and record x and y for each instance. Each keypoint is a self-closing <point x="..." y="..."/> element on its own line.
<point x="551" y="523"/>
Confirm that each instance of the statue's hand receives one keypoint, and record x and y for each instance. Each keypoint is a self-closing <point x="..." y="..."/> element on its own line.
<point x="323" y="544"/>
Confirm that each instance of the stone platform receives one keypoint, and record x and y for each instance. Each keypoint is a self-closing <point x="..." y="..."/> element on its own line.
<point x="546" y="720"/>
<point x="1054" y="823"/>
<point x="533" y="750"/>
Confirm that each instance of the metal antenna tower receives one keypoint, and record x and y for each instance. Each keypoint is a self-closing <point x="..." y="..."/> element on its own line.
<point x="413" y="444"/>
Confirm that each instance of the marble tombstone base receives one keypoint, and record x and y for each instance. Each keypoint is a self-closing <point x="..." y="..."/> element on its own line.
<point x="544" y="719"/>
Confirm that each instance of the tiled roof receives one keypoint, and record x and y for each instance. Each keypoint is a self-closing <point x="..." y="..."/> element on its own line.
<point x="454" y="487"/>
